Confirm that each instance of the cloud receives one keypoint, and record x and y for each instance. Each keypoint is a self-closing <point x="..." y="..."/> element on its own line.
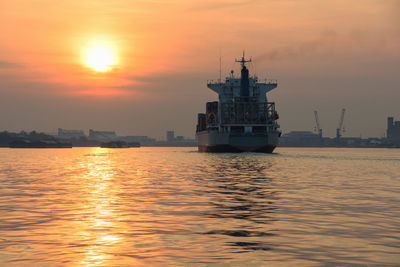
<point x="8" y="65"/>
<point x="301" y="49"/>
<point x="17" y="85"/>
<point x="395" y="14"/>
<point x="222" y="5"/>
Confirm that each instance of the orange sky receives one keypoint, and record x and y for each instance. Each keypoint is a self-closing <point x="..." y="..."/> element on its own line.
<point x="325" y="55"/>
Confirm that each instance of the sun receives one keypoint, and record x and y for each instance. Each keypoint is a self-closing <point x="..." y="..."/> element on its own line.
<point x="100" y="56"/>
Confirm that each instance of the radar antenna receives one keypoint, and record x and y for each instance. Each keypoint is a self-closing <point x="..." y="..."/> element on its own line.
<point x="243" y="61"/>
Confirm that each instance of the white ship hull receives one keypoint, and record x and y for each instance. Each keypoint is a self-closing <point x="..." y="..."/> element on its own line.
<point x="214" y="141"/>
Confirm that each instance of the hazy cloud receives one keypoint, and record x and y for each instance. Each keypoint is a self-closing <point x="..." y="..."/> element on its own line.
<point x="8" y="64"/>
<point x="302" y="49"/>
<point x="222" y="5"/>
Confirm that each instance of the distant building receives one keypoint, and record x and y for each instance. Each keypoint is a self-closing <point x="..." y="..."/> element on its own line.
<point x="177" y="141"/>
<point x="102" y="135"/>
<point x="393" y="131"/>
<point x="69" y="134"/>
<point x="300" y="139"/>
<point x="170" y="136"/>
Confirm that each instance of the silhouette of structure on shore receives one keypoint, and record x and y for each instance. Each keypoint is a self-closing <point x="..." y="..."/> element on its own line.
<point x="95" y="138"/>
<point x="310" y="139"/>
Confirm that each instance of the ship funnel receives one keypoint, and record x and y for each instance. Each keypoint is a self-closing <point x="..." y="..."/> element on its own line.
<point x="244" y="82"/>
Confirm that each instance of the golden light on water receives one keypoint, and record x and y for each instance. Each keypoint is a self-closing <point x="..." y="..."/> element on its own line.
<point x="100" y="56"/>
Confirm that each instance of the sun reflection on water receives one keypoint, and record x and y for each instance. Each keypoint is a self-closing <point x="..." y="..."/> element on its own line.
<point x="99" y="218"/>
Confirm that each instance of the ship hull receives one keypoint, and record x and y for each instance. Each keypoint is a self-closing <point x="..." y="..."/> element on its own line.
<point x="226" y="142"/>
<point x="236" y="149"/>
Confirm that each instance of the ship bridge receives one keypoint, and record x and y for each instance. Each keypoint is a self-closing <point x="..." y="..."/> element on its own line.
<point x="230" y="89"/>
<point x="243" y="100"/>
<point x="243" y="87"/>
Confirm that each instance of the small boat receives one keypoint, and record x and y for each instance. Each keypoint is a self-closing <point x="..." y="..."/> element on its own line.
<point x="134" y="144"/>
<point x="114" y="144"/>
<point x="119" y="144"/>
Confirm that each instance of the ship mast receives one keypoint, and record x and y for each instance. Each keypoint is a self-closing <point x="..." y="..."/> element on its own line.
<point x="244" y="79"/>
<point x="242" y="61"/>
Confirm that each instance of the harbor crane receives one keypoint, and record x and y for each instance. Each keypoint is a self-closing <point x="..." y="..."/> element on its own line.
<point x="339" y="128"/>
<point x="318" y="125"/>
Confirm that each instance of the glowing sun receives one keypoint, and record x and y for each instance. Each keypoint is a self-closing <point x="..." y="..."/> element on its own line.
<point x="100" y="57"/>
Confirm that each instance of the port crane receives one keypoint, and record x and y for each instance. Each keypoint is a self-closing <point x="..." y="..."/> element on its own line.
<point x="339" y="128"/>
<point x="318" y="127"/>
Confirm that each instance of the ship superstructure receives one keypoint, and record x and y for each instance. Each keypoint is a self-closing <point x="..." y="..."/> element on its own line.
<point x="242" y="120"/>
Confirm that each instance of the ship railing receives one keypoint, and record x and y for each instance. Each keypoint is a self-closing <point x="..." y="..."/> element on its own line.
<point x="269" y="81"/>
<point x="266" y="81"/>
<point x="214" y="82"/>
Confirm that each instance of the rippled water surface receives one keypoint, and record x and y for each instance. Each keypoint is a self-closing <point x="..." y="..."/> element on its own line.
<point x="177" y="207"/>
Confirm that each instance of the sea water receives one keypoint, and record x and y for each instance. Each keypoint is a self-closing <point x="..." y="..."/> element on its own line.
<point x="178" y="207"/>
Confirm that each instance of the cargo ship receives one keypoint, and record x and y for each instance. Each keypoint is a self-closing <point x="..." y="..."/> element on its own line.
<point x="242" y="120"/>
